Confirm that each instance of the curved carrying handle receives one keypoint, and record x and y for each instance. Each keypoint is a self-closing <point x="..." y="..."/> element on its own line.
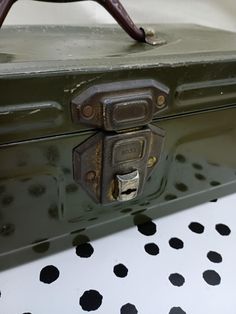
<point x="114" y="7"/>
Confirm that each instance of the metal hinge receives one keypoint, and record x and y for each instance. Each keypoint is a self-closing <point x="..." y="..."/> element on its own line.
<point x="114" y="164"/>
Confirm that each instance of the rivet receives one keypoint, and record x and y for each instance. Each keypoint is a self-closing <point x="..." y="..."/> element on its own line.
<point x="90" y="176"/>
<point x="150" y="32"/>
<point x="151" y="161"/>
<point x="87" y="111"/>
<point x="161" y="101"/>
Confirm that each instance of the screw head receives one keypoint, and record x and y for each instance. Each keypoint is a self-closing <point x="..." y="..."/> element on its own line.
<point x="151" y="161"/>
<point x="90" y="176"/>
<point x="87" y="111"/>
<point x="150" y="32"/>
<point x="161" y="101"/>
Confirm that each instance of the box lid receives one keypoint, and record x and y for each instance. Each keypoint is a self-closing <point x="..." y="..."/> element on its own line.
<point x="43" y="68"/>
<point x="62" y="48"/>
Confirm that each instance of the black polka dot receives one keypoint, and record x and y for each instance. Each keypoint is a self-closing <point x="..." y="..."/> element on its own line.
<point x="126" y="210"/>
<point x="180" y="186"/>
<point x="37" y="190"/>
<point x="128" y="309"/>
<point x="71" y="188"/>
<point x="84" y="250"/>
<point x="177" y="280"/>
<point x="53" y="211"/>
<point x="214" y="201"/>
<point x="215" y="183"/>
<point x="137" y="212"/>
<point x="7" y="200"/>
<point x="196" y="227"/>
<point x="66" y="170"/>
<point x="200" y="177"/>
<point x="120" y="271"/>
<point x="52" y="155"/>
<point x="180" y="158"/>
<point x="152" y="249"/>
<point x="91" y="300"/>
<point x="223" y="229"/>
<point x="176" y="310"/>
<point x="176" y="243"/>
<point x="212" y="277"/>
<point x="93" y="219"/>
<point x="214" y="257"/>
<point x="49" y="274"/>
<point x="197" y="166"/>
<point x="170" y="197"/>
<point x="26" y="313"/>
<point x="41" y="246"/>
<point x="80" y="238"/>
<point x="7" y="229"/>
<point x="148" y="228"/>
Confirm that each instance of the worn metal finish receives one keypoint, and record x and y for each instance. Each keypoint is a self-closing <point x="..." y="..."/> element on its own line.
<point x="152" y="38"/>
<point x="106" y="157"/>
<point x="120" y="105"/>
<point x="41" y="75"/>
<point x="126" y="186"/>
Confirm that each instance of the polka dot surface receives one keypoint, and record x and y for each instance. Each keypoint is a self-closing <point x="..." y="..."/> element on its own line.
<point x="148" y="228"/>
<point x="91" y="300"/>
<point x="152" y="249"/>
<point x="182" y="263"/>
<point x="176" y="310"/>
<point x="120" y="270"/>
<point x="128" y="309"/>
<point x="49" y="274"/>
<point x="84" y="250"/>
<point x="176" y="243"/>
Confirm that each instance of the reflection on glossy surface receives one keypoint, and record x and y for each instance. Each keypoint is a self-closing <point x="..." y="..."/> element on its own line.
<point x="42" y="208"/>
<point x="7" y="229"/>
<point x="41" y="246"/>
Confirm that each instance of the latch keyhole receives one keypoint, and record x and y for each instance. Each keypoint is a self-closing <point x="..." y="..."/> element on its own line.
<point x="129" y="191"/>
<point x="126" y="186"/>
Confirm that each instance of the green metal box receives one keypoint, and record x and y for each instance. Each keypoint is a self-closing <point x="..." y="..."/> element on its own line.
<point x="66" y="90"/>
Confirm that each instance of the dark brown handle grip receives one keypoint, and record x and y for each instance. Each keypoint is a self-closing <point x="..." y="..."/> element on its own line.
<point x="114" y="7"/>
<point x="5" y="6"/>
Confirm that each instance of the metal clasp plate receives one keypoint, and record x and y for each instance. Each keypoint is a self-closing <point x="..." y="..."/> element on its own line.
<point x="114" y="167"/>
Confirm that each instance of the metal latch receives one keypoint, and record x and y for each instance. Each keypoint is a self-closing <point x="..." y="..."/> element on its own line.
<point x="114" y="166"/>
<point x="126" y="186"/>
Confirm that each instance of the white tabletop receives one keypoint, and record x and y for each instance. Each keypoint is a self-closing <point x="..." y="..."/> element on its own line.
<point x="182" y="263"/>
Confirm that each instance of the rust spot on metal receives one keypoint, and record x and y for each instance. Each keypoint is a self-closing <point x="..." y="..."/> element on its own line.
<point x="90" y="176"/>
<point x="151" y="161"/>
<point x="88" y="111"/>
<point x="161" y="101"/>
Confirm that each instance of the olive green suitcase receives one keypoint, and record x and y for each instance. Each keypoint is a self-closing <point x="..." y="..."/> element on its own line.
<point x="98" y="132"/>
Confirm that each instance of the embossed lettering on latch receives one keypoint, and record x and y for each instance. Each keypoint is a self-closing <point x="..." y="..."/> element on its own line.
<point x="128" y="150"/>
<point x="98" y="164"/>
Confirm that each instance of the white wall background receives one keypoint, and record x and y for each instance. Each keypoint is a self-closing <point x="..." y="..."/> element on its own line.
<point x="214" y="13"/>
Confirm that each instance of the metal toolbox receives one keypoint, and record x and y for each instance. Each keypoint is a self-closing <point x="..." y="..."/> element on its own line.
<point x="98" y="132"/>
